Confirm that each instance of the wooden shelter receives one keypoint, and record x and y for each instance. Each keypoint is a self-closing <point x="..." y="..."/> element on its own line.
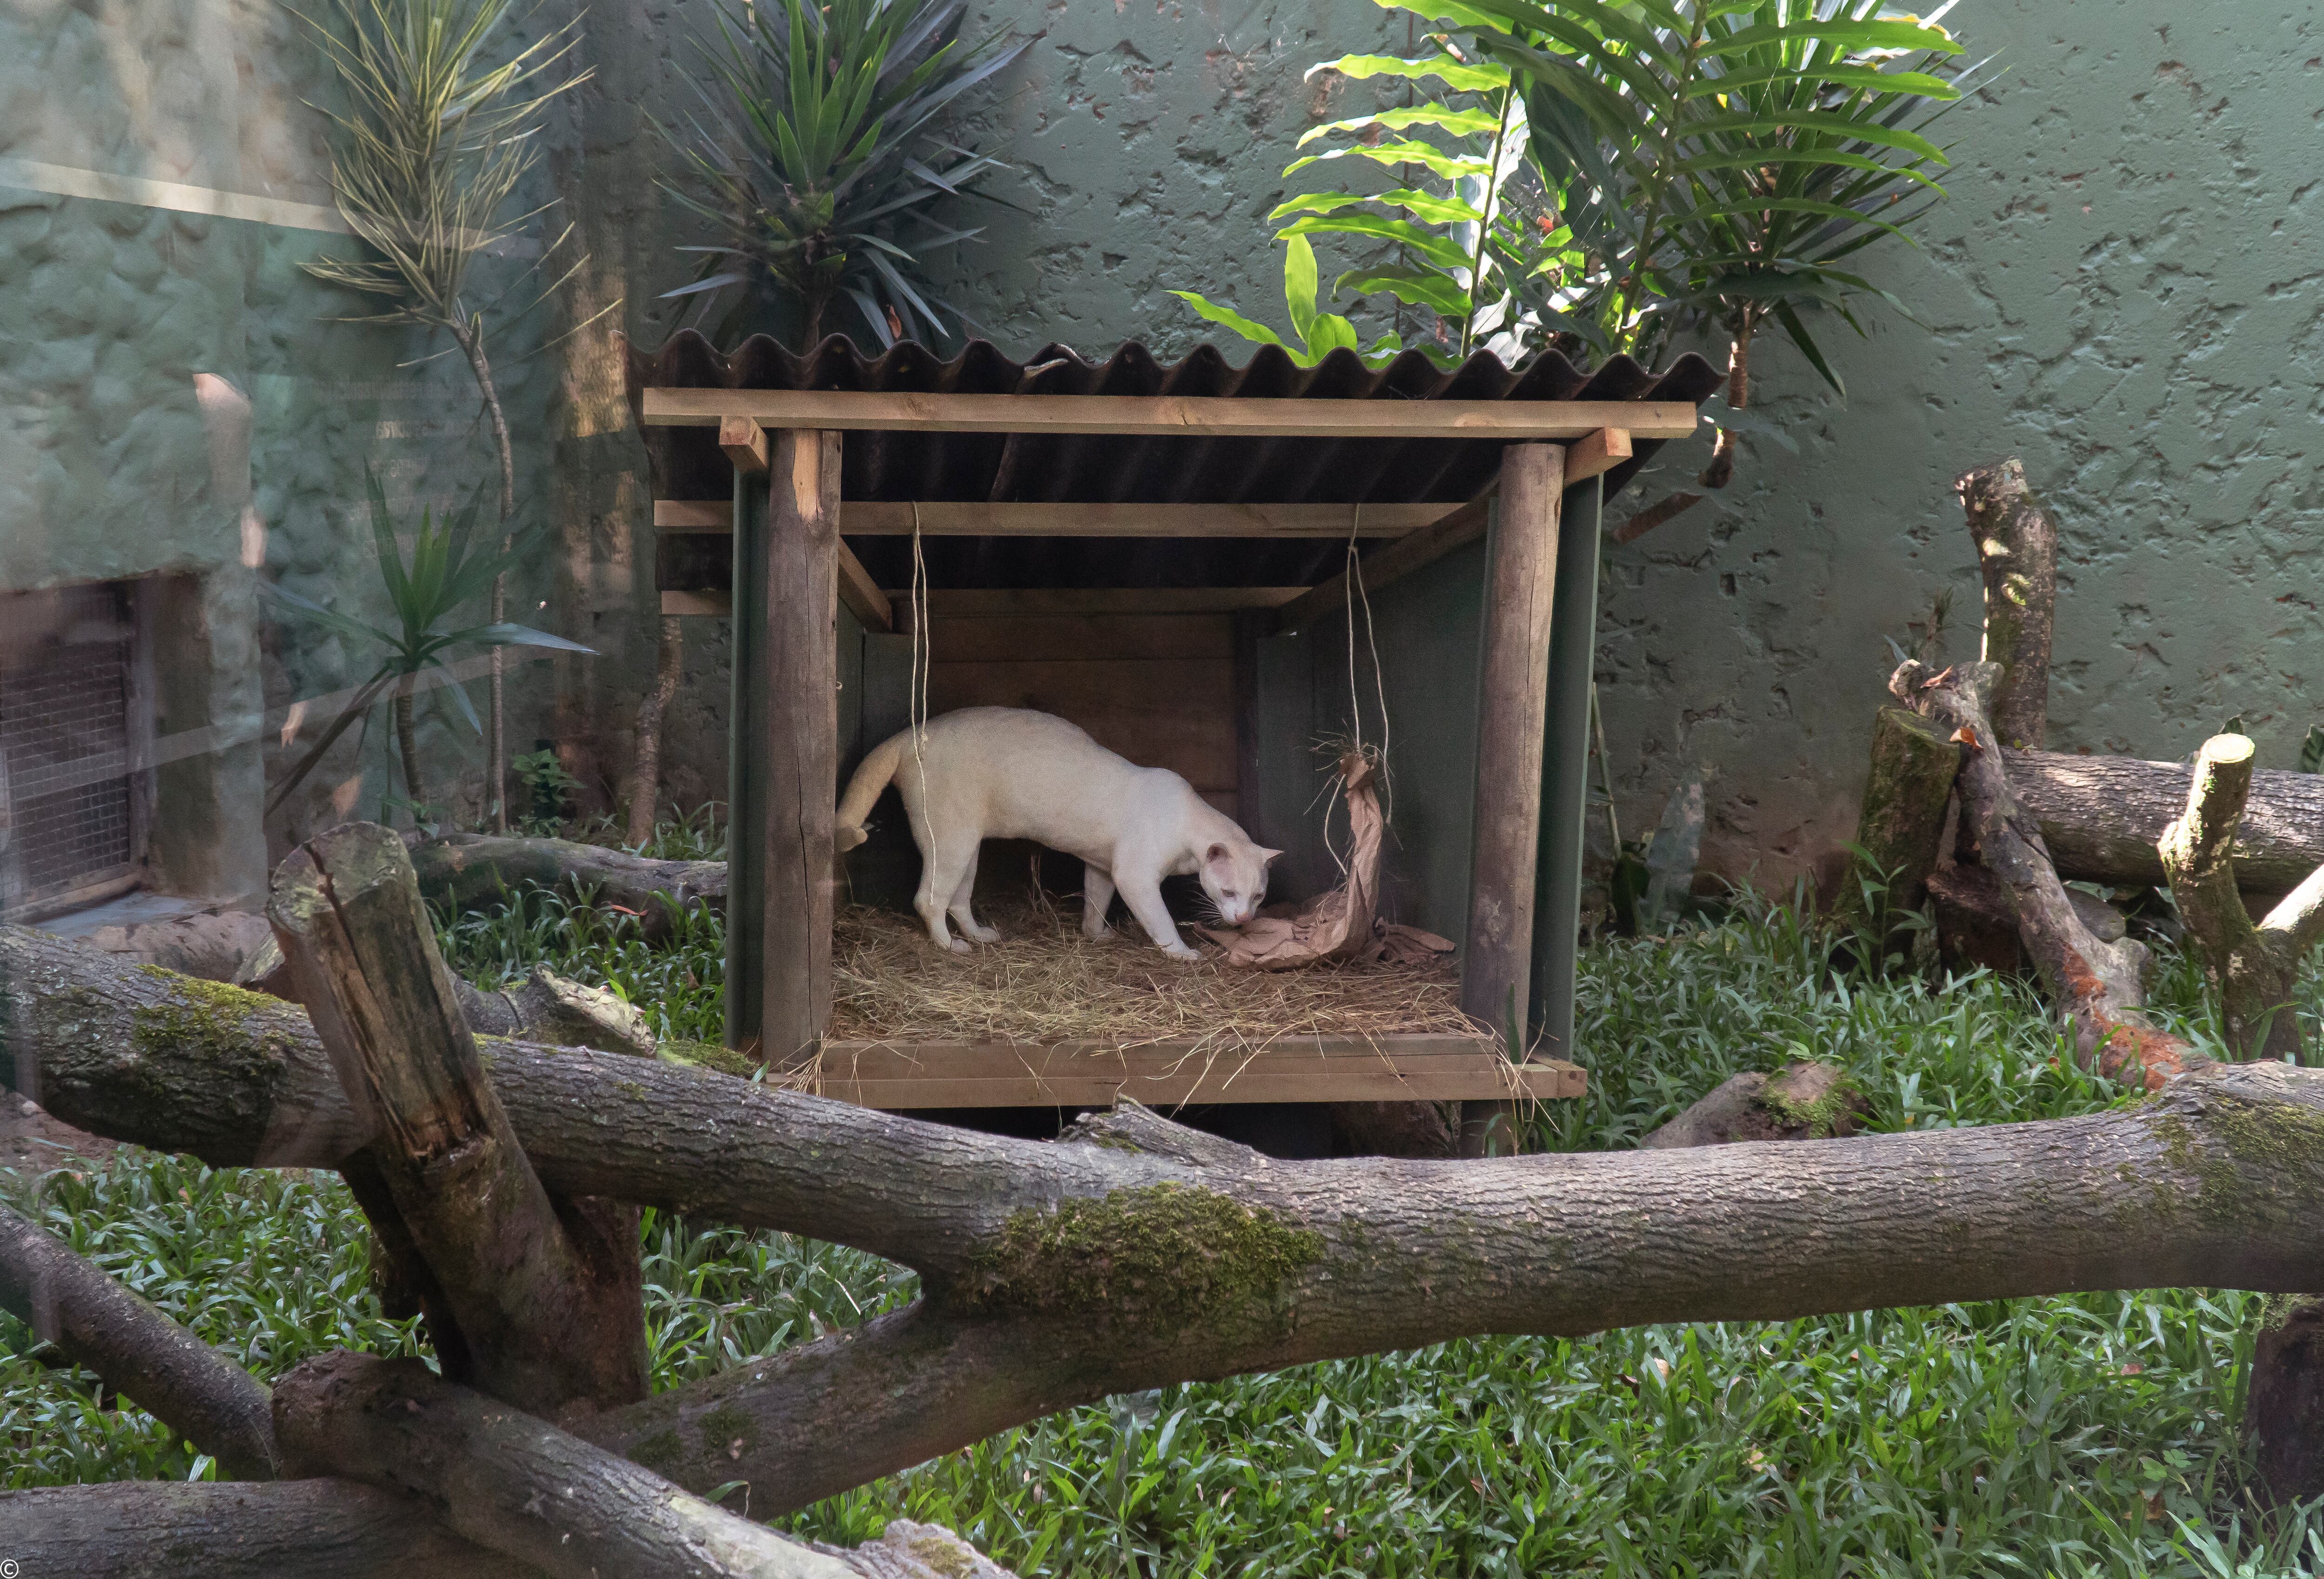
<point x="1182" y="518"/>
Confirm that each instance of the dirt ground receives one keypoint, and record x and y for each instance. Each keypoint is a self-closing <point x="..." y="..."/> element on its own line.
<point x="30" y="1141"/>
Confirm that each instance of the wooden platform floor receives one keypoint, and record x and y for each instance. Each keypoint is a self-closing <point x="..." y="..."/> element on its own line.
<point x="898" y="1076"/>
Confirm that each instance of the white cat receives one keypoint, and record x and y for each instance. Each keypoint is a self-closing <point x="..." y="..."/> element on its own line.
<point x="1009" y="773"/>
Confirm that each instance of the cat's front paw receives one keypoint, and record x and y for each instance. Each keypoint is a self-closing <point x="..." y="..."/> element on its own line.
<point x="959" y="945"/>
<point x="1097" y="934"/>
<point x="1180" y="951"/>
<point x="984" y="934"/>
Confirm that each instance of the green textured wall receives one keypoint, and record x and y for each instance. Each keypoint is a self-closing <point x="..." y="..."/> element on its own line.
<point x="2121" y="291"/>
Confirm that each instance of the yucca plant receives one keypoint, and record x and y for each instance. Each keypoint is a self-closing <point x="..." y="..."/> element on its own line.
<point x="822" y="152"/>
<point x="443" y="575"/>
<point x="1444" y="238"/>
<point x="430" y="148"/>
<point x="1723" y="163"/>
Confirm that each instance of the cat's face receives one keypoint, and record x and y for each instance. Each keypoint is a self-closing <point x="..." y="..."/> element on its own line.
<point x="1235" y="877"/>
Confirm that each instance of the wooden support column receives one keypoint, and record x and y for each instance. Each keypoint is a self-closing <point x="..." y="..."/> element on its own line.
<point x="1565" y="770"/>
<point x="1520" y="581"/>
<point x="798" y="671"/>
<point x="746" y="746"/>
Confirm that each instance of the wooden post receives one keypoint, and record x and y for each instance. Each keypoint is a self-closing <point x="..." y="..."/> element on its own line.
<point x="1566" y="769"/>
<point x="746" y="744"/>
<point x="2017" y="553"/>
<point x="1249" y="626"/>
<point x="1520" y="582"/>
<point x="799" y="672"/>
<point x="541" y="1307"/>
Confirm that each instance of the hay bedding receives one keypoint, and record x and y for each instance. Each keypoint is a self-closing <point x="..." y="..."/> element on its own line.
<point x="1044" y="982"/>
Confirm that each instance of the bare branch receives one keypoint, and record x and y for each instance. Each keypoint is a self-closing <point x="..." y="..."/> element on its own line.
<point x="2251" y="969"/>
<point x="2097" y="983"/>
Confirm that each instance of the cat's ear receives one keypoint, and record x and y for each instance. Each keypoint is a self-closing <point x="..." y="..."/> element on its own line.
<point x="1268" y="857"/>
<point x="1217" y="853"/>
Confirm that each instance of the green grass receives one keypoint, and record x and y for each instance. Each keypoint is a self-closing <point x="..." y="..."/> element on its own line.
<point x="2072" y="1436"/>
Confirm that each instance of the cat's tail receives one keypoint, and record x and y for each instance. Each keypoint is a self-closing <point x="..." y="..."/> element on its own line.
<point x="878" y="767"/>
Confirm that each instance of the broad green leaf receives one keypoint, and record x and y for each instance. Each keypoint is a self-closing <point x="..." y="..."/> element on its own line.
<point x="1419" y="286"/>
<point x="1436" y="249"/>
<point x="1328" y="333"/>
<point x="1435" y="161"/>
<point x="1750" y="123"/>
<point x="1430" y="207"/>
<point x="1299" y="281"/>
<point x="1462" y="75"/>
<point x="1459" y="123"/>
<point x="1228" y="317"/>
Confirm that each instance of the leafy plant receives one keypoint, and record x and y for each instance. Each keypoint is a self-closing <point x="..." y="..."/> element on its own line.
<point x="1721" y="161"/>
<point x="821" y="155"/>
<point x="443" y="575"/>
<point x="548" y="788"/>
<point x="431" y="146"/>
<point x="1451" y="237"/>
<point x="2311" y="750"/>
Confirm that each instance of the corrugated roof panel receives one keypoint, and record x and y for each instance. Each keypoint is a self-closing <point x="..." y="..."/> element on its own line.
<point x="687" y="463"/>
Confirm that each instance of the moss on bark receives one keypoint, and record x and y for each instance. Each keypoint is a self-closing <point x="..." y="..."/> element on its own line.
<point x="1167" y="1253"/>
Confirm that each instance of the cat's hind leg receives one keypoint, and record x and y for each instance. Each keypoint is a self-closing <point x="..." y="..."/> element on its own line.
<point x="962" y="895"/>
<point x="1143" y="895"/>
<point x="941" y="870"/>
<point x="1097" y="898"/>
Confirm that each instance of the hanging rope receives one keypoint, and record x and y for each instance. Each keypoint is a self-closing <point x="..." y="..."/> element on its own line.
<point x="915" y="702"/>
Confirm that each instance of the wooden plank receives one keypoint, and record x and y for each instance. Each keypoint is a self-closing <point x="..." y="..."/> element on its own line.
<point x="861" y="594"/>
<point x="996" y="602"/>
<point x="800" y="678"/>
<point x="745" y="444"/>
<point x="720" y="605"/>
<point x="694" y="515"/>
<point x="1597" y="453"/>
<point x="980" y="518"/>
<point x="1392" y="1069"/>
<point x="1513" y="695"/>
<point x="1166" y="416"/>
<point x="1175" y="713"/>
<point x="1064" y="637"/>
<point x="1398" y="559"/>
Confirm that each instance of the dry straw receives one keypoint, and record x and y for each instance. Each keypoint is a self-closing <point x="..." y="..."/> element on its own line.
<point x="1044" y="982"/>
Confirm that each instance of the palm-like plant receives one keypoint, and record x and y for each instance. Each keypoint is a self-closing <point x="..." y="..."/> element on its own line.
<point x="432" y="145"/>
<point x="443" y="575"/>
<point x="1722" y="160"/>
<point x="820" y="154"/>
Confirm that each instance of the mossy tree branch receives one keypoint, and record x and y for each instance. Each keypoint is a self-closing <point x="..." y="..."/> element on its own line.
<point x="1056" y="1274"/>
<point x="2252" y="968"/>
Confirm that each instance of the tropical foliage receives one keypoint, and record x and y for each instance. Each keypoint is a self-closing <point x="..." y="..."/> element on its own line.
<point x="822" y="150"/>
<point x="431" y="144"/>
<point x="1440" y="239"/>
<point x="444" y="574"/>
<point x="1616" y="173"/>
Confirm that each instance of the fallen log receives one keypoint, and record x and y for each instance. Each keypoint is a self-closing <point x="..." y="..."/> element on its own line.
<point x="515" y="1484"/>
<point x="1056" y="1274"/>
<point x="2097" y="984"/>
<point x="2101" y="819"/>
<point x="280" y="1529"/>
<point x="470" y="871"/>
<point x="105" y="1328"/>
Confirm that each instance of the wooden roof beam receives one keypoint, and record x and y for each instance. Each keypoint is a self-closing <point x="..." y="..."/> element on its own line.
<point x="1515" y="422"/>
